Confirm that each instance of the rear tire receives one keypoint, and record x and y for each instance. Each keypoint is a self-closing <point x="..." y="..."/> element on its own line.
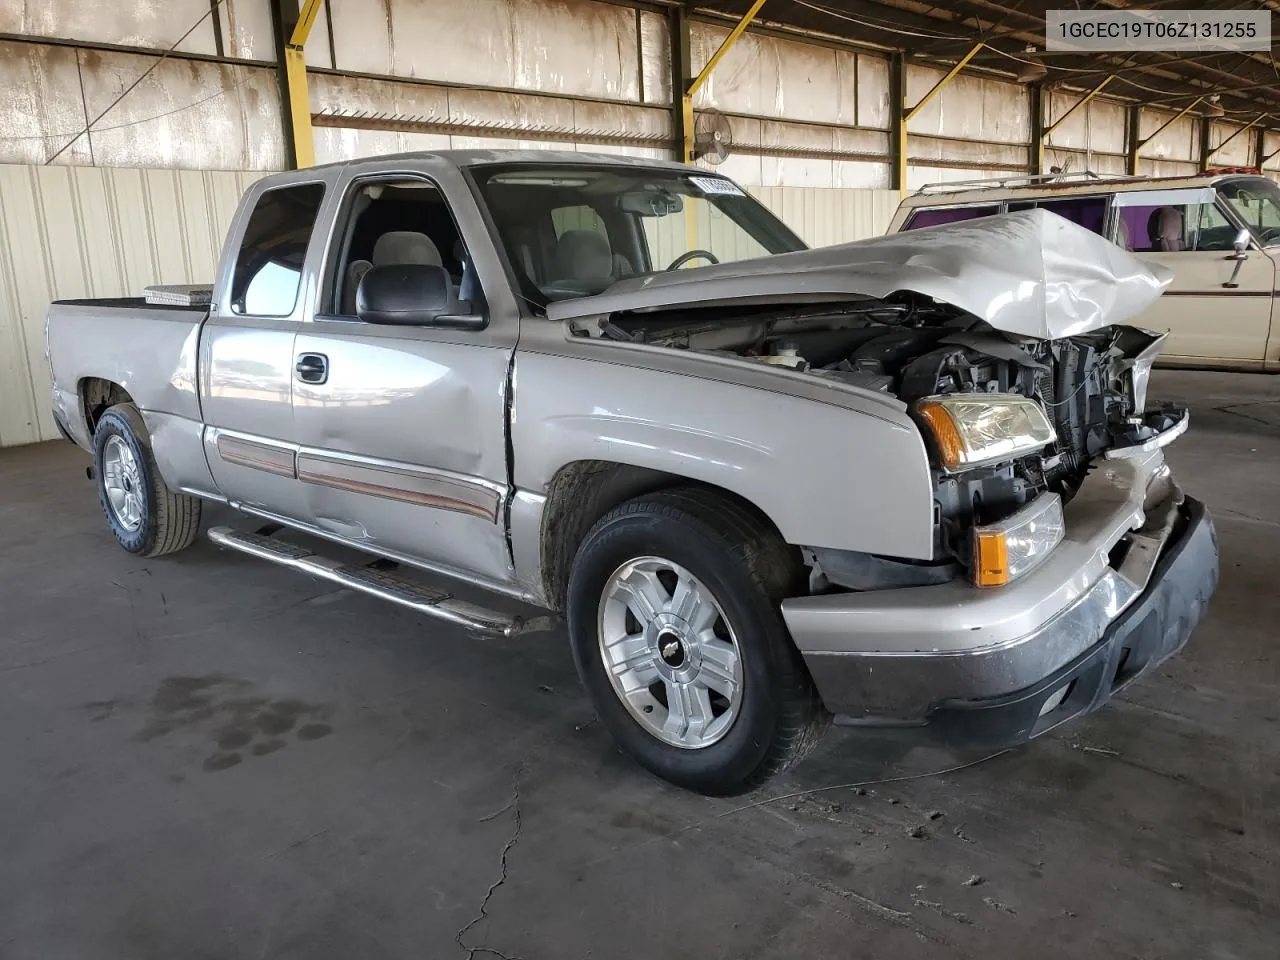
<point x="145" y="516"/>
<point x="674" y="599"/>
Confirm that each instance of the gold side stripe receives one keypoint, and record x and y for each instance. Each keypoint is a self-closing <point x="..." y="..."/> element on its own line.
<point x="431" y="490"/>
<point x="259" y="456"/>
<point x="1217" y="293"/>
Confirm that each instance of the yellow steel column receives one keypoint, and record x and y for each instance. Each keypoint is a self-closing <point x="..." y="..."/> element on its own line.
<point x="1070" y="110"/>
<point x="686" y="104"/>
<point x="295" y="65"/>
<point x="912" y="111"/>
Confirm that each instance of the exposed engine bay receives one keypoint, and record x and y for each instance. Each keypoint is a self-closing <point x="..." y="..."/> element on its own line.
<point x="1091" y="386"/>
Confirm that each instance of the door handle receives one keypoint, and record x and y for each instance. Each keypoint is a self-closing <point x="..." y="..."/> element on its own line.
<point x="312" y="367"/>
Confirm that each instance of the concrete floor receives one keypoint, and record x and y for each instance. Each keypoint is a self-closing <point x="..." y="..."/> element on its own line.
<point x="209" y="757"/>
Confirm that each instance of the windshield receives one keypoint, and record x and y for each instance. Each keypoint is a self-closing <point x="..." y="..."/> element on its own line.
<point x="574" y="230"/>
<point x="1256" y="200"/>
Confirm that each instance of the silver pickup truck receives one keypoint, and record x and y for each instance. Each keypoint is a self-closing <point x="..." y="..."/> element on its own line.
<point x="913" y="483"/>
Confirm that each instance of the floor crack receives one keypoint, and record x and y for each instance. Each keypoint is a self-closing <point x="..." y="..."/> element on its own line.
<point x="513" y="805"/>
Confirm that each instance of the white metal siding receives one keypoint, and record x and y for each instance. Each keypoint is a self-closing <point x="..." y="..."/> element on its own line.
<point x="68" y="232"/>
<point x="823" y="216"/>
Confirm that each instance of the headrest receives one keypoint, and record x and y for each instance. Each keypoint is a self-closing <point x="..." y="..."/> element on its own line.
<point x="405" y="246"/>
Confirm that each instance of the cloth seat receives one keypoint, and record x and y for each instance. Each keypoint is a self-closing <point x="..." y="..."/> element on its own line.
<point x="1165" y="229"/>
<point x="392" y="249"/>
<point x="585" y="255"/>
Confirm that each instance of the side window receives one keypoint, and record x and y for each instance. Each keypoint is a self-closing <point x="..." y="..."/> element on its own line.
<point x="1215" y="231"/>
<point x="1174" y="228"/>
<point x="934" y="217"/>
<point x="395" y="222"/>
<point x="268" y="267"/>
<point x="1087" y="212"/>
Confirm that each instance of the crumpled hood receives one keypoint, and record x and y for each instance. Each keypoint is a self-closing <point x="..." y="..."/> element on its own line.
<point x="1031" y="273"/>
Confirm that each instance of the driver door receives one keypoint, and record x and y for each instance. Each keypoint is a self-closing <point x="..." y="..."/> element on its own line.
<point x="402" y="429"/>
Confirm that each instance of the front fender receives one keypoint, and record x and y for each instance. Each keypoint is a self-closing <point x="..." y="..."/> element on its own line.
<point x="841" y="473"/>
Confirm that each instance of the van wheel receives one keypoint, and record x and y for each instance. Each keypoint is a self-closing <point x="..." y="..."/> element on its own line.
<point x="146" y="517"/>
<point x="673" y="610"/>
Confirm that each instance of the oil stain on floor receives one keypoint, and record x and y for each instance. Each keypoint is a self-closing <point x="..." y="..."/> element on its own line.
<point x="237" y="720"/>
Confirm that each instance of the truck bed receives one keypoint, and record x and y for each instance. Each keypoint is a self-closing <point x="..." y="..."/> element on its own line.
<point x="128" y="303"/>
<point x="150" y="350"/>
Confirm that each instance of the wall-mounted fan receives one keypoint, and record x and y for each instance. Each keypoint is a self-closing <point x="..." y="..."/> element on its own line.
<point x="712" y="137"/>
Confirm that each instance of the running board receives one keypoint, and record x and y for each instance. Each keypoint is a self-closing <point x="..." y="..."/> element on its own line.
<point x="416" y="596"/>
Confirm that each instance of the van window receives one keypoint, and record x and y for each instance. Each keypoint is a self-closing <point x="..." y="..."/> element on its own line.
<point x="1257" y="203"/>
<point x="1087" y="212"/>
<point x="936" y="217"/>
<point x="268" y="267"/>
<point x="1173" y="228"/>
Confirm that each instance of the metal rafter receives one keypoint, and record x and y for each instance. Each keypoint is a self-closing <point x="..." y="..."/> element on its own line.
<point x="1008" y="25"/>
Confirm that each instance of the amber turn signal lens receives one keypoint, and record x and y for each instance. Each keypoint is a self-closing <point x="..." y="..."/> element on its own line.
<point x="945" y="433"/>
<point x="990" y="560"/>
<point x="1005" y="550"/>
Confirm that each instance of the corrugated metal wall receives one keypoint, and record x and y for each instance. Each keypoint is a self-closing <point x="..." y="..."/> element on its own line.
<point x="974" y="127"/>
<point x="74" y="231"/>
<point x="187" y="113"/>
<point x="577" y="74"/>
<point x="824" y="216"/>
<point x="93" y="232"/>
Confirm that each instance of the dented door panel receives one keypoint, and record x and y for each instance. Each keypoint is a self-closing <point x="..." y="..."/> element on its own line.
<point x="403" y="448"/>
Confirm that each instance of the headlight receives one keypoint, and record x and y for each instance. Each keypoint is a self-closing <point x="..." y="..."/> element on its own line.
<point x="970" y="430"/>
<point x="1006" y="550"/>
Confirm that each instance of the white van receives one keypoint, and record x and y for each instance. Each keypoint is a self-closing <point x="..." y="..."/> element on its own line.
<point x="1219" y="233"/>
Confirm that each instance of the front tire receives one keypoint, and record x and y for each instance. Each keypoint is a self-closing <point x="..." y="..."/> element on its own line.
<point x="145" y="516"/>
<point x="673" y="610"/>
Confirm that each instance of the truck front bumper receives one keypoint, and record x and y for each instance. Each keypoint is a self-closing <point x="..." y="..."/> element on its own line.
<point x="1121" y="593"/>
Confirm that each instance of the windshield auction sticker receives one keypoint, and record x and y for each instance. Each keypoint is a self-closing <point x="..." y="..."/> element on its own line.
<point x="716" y="185"/>
<point x="1172" y="30"/>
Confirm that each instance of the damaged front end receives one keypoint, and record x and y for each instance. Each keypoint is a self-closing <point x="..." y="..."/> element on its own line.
<point x="1046" y="411"/>
<point x="1065" y="561"/>
<point x="996" y="520"/>
<point x="1016" y="321"/>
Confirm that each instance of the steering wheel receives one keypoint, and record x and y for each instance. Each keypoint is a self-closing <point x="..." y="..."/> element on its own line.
<point x="688" y="255"/>
<point x="1270" y="234"/>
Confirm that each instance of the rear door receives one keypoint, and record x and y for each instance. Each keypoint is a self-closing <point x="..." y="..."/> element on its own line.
<point x="402" y="440"/>
<point x="1207" y="318"/>
<point x="247" y="362"/>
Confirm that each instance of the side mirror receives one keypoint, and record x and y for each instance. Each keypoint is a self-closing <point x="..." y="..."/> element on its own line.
<point x="1241" y="245"/>
<point x="410" y="294"/>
